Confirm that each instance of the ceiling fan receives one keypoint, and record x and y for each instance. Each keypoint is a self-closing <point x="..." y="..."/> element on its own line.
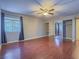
<point x="42" y="10"/>
<point x="48" y="11"/>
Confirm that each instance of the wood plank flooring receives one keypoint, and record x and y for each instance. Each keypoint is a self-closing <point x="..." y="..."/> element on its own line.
<point x="42" y="48"/>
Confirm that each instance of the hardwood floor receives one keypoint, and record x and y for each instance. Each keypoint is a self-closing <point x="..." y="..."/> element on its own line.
<point x="42" y="48"/>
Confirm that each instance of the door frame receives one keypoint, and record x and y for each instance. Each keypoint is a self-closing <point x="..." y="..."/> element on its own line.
<point x="47" y="33"/>
<point x="64" y="27"/>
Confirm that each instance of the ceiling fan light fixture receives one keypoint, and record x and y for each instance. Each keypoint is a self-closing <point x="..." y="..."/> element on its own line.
<point x="45" y="14"/>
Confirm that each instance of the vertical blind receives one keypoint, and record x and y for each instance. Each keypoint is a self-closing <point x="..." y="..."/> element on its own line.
<point x="12" y="25"/>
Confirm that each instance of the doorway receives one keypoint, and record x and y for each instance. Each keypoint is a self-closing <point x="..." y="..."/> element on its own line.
<point x="47" y="29"/>
<point x="57" y="29"/>
<point x="67" y="29"/>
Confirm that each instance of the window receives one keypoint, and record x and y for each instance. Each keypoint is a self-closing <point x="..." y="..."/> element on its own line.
<point x="12" y="25"/>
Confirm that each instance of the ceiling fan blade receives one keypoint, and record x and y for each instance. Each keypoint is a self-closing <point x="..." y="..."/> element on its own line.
<point x="42" y="9"/>
<point x="51" y="10"/>
<point x="38" y="2"/>
<point x="51" y="13"/>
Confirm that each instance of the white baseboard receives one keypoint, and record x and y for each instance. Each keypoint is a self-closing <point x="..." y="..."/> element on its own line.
<point x="36" y="37"/>
<point x="68" y="38"/>
<point x="13" y="41"/>
<point x="27" y="39"/>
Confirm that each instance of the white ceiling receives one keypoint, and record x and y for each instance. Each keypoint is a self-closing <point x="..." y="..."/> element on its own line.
<point x="62" y="7"/>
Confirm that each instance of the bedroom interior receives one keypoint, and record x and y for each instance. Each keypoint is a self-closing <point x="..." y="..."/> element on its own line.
<point x="39" y="29"/>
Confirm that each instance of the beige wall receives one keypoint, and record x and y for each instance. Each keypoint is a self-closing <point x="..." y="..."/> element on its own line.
<point x="33" y="27"/>
<point x="77" y="29"/>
